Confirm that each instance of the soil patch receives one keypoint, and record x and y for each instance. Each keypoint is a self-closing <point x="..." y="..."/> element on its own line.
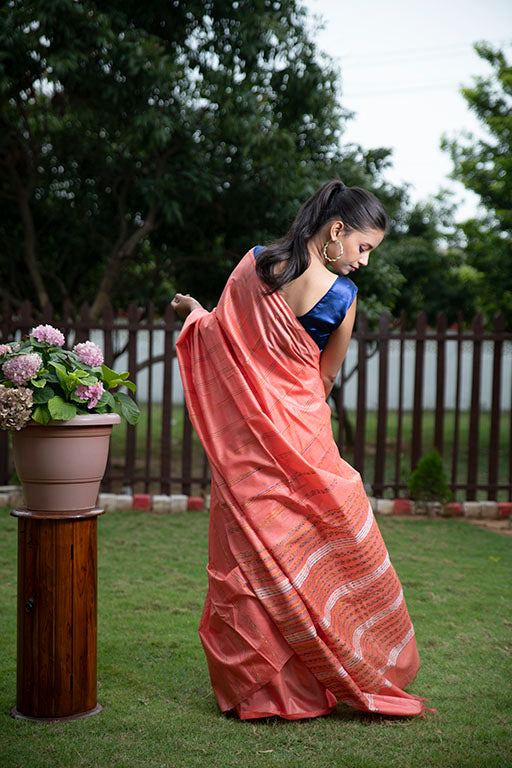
<point x="498" y="526"/>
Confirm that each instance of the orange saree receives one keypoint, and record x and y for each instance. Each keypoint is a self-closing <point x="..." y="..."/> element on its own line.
<point x="303" y="607"/>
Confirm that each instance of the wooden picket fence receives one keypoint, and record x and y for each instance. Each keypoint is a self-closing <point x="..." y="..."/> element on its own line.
<point x="384" y="443"/>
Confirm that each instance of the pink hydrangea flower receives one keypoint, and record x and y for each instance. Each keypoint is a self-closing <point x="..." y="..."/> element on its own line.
<point x="15" y="407"/>
<point x="49" y="334"/>
<point x="89" y="353"/>
<point x="22" y="368"/>
<point x="4" y="349"/>
<point x="93" y="393"/>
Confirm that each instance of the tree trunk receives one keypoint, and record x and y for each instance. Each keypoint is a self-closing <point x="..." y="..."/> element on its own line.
<point x="30" y="242"/>
<point x="30" y="252"/>
<point x="120" y="253"/>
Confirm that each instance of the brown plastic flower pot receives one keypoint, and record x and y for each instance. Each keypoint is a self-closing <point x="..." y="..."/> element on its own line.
<point x="61" y="465"/>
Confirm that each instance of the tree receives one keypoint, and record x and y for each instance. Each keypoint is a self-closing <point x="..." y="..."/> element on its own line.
<point x="147" y="146"/>
<point x="485" y="167"/>
<point x="429" y="257"/>
<point x="86" y="162"/>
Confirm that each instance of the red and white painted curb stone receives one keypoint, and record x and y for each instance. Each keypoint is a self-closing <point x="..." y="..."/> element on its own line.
<point x="489" y="510"/>
<point x="11" y="496"/>
<point x="158" y="503"/>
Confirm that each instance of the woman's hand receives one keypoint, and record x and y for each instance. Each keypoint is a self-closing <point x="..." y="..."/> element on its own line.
<point x="184" y="304"/>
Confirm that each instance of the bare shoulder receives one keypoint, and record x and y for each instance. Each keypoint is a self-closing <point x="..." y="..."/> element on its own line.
<point x="303" y="293"/>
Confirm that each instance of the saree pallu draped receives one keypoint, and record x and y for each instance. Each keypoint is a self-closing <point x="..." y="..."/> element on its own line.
<point x="303" y="606"/>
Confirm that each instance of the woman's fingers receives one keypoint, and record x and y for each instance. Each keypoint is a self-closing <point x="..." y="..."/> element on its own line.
<point x="180" y="296"/>
<point x="184" y="304"/>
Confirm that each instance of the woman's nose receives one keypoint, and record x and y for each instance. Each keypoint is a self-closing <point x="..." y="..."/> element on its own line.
<point x="363" y="259"/>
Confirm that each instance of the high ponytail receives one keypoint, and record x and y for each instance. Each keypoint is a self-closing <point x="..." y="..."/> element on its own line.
<point x="356" y="207"/>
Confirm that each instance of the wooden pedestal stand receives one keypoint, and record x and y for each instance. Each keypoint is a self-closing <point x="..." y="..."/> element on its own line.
<point x="57" y="615"/>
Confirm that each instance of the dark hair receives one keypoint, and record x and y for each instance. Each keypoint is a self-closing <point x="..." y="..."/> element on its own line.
<point x="357" y="208"/>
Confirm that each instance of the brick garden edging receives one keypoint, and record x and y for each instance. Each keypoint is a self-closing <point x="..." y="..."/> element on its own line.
<point x="11" y="496"/>
<point x="488" y="510"/>
<point x="158" y="503"/>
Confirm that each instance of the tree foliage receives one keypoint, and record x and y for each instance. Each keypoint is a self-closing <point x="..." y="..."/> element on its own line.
<point x="148" y="146"/>
<point x="430" y="259"/>
<point x="485" y="167"/>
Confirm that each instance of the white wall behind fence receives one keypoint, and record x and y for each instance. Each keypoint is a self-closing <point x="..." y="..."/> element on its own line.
<point x="350" y="396"/>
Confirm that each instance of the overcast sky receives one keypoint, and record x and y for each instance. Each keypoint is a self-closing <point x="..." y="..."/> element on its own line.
<point x="402" y="64"/>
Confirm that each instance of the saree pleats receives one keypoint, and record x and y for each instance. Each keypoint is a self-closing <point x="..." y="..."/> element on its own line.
<point x="304" y="607"/>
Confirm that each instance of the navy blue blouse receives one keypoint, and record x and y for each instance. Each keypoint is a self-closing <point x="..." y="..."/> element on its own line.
<point x="328" y="313"/>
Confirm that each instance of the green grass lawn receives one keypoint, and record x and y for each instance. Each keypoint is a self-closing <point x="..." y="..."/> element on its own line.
<point x="159" y="711"/>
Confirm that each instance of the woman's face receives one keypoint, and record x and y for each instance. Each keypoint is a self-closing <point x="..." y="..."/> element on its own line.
<point x="357" y="247"/>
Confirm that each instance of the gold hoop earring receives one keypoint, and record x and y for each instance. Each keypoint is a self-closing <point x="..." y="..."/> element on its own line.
<point x="337" y="258"/>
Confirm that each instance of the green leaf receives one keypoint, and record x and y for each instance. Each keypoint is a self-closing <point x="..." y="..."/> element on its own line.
<point x="72" y="358"/>
<point x="129" y="408"/>
<point x="41" y="345"/>
<point x="108" y="374"/>
<point x="87" y="380"/>
<point x="41" y="414"/>
<point x="61" y="354"/>
<point x="67" y="380"/>
<point x="118" y="379"/>
<point x="60" y="409"/>
<point x="113" y="383"/>
<point x="58" y="367"/>
<point x="41" y="396"/>
<point x="107" y="399"/>
<point x="39" y="383"/>
<point x="120" y="383"/>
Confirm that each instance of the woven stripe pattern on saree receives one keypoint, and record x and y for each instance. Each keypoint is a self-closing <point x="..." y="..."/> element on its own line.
<point x="304" y="607"/>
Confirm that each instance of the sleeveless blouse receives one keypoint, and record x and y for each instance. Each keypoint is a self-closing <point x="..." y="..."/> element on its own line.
<point x="329" y="312"/>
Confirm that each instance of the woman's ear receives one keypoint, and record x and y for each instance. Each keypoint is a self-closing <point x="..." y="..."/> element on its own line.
<point x="336" y="230"/>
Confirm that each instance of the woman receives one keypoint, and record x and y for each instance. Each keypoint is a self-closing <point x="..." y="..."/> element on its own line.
<point x="303" y="607"/>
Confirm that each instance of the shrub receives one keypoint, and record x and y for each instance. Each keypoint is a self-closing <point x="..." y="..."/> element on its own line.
<point x="429" y="482"/>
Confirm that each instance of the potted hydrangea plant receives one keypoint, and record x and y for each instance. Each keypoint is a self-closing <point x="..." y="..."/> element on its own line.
<point x="44" y="388"/>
